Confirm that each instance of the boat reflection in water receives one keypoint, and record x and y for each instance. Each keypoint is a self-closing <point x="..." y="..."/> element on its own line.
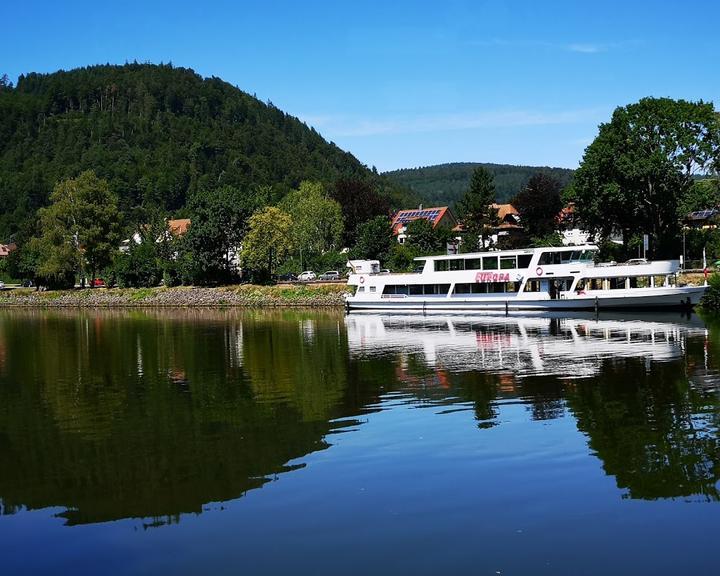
<point x="544" y="344"/>
<point x="643" y="392"/>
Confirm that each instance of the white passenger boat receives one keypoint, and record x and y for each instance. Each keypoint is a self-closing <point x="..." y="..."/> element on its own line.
<point x="521" y="280"/>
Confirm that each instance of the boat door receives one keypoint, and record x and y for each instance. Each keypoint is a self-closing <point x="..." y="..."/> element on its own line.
<point x="548" y="287"/>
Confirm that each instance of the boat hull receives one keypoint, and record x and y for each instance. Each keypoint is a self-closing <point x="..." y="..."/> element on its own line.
<point x="653" y="299"/>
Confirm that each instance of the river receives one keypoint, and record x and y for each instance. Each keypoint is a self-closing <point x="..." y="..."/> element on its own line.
<point x="278" y="442"/>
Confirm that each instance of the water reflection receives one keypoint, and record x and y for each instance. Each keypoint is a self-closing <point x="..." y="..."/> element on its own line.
<point x="151" y="414"/>
<point x="645" y="392"/>
<point x="117" y="414"/>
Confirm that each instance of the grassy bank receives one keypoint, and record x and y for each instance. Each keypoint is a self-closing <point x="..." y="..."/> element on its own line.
<point x="182" y="296"/>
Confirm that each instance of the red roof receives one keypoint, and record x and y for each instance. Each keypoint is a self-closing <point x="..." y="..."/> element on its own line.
<point x="7" y="249"/>
<point x="179" y="227"/>
<point x="432" y="215"/>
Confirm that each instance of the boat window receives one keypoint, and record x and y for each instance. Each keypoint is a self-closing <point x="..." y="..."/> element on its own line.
<point x="473" y="264"/>
<point x="659" y="281"/>
<point x="441" y="289"/>
<point x="617" y="283"/>
<point x="556" y="257"/>
<point x="485" y="287"/>
<point x="546" y="258"/>
<point x="640" y="282"/>
<point x="361" y="289"/>
<point x="490" y="263"/>
<point x="562" y="284"/>
<point x="532" y="285"/>
<point x="441" y="265"/>
<point x="524" y="260"/>
<point x="508" y="263"/>
<point x="415" y="289"/>
<point x="457" y="264"/>
<point x="395" y="289"/>
<point x="373" y="289"/>
<point x="592" y="283"/>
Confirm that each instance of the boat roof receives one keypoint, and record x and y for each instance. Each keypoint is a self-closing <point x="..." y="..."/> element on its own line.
<point x="511" y="252"/>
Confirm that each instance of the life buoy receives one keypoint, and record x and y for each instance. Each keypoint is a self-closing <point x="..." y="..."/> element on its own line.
<point x="362" y="279"/>
<point x="539" y="271"/>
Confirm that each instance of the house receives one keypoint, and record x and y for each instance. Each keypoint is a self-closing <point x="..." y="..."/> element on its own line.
<point x="704" y="219"/>
<point x="437" y="216"/>
<point x="568" y="226"/>
<point x="7" y="249"/>
<point x="175" y="229"/>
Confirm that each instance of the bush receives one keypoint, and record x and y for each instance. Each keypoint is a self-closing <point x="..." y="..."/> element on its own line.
<point x="711" y="299"/>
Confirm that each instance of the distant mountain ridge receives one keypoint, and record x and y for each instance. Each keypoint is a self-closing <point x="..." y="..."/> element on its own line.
<point x="444" y="184"/>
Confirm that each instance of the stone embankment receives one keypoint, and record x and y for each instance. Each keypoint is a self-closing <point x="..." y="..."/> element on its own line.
<point x="179" y="297"/>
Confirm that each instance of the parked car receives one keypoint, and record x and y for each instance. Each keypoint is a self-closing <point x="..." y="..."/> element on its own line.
<point x="97" y="283"/>
<point x="27" y="284"/>
<point x="636" y="261"/>
<point x="2" y="285"/>
<point x="384" y="271"/>
<point x="330" y="275"/>
<point x="289" y="277"/>
<point x="307" y="276"/>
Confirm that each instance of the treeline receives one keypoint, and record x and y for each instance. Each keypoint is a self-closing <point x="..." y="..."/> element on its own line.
<point x="233" y="235"/>
<point x="158" y="135"/>
<point x="445" y="184"/>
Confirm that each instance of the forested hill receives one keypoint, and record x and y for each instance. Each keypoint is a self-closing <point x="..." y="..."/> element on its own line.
<point x="444" y="184"/>
<point x="156" y="133"/>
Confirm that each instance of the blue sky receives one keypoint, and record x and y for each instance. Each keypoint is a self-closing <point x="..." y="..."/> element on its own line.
<point x="403" y="84"/>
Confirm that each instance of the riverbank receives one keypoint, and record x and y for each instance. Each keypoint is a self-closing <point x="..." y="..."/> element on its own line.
<point x="322" y="295"/>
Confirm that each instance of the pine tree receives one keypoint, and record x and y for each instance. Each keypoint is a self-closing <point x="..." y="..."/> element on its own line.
<point x="475" y="208"/>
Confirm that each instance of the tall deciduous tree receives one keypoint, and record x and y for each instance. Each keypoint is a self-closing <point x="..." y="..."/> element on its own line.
<point x="375" y="239"/>
<point x="317" y="218"/>
<point x="218" y="223"/>
<point x="641" y="165"/>
<point x="539" y="204"/>
<point x="360" y="202"/>
<point x="426" y="240"/>
<point x="268" y="241"/>
<point x="79" y="230"/>
<point x="475" y="208"/>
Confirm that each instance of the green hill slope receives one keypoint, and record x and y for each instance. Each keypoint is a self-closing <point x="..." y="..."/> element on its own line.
<point x="445" y="184"/>
<point x="156" y="133"/>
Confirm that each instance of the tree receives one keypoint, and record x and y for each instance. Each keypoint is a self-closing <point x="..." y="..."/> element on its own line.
<point x="702" y="195"/>
<point x="268" y="241"/>
<point x="475" y="207"/>
<point x="360" y="202"/>
<point x="374" y="240"/>
<point x="79" y="230"/>
<point x="539" y="204"/>
<point x="317" y="219"/>
<point x="635" y="173"/>
<point x="425" y="239"/>
<point x="218" y="222"/>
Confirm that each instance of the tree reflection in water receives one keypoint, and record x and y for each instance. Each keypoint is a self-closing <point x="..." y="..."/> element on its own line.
<point x="117" y="414"/>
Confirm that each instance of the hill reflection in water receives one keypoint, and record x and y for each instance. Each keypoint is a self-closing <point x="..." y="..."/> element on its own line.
<point x="152" y="414"/>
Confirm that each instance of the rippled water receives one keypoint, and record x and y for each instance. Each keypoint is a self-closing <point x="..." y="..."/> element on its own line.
<point x="225" y="442"/>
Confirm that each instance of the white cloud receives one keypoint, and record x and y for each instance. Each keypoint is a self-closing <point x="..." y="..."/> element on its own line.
<point x="587" y="48"/>
<point x="335" y="126"/>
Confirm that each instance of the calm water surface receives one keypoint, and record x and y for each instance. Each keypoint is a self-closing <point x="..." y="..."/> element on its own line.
<point x="227" y="442"/>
